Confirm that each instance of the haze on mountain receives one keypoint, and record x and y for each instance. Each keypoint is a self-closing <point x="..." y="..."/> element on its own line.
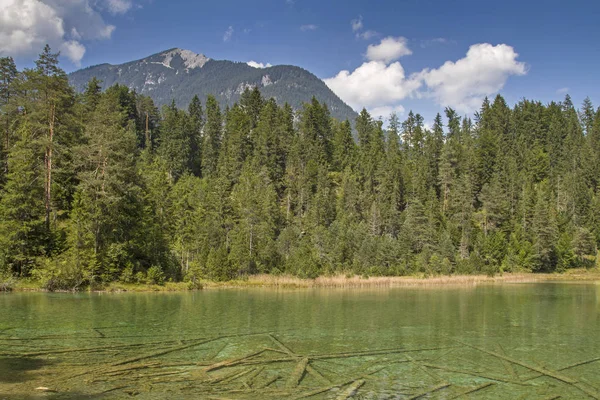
<point x="178" y="75"/>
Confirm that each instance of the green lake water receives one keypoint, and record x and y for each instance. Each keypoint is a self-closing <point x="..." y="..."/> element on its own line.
<point x="504" y="341"/>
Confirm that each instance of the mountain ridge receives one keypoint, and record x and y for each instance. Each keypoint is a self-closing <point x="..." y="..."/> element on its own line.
<point x="178" y="74"/>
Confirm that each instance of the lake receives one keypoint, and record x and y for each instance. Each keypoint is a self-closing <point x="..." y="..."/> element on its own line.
<point x="504" y="341"/>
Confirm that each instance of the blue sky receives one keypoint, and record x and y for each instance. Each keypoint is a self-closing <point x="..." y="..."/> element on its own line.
<point x="556" y="42"/>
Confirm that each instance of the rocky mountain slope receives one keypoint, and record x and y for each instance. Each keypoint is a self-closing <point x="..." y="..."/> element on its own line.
<point x="178" y="75"/>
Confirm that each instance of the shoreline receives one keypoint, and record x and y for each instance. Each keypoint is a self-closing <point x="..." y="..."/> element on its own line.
<point x="337" y="281"/>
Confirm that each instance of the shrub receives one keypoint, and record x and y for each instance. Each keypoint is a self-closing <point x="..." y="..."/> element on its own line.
<point x="128" y="276"/>
<point x="7" y="282"/>
<point x="155" y="275"/>
<point x="61" y="274"/>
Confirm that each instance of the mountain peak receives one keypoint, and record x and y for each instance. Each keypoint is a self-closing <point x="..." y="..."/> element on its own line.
<point x="190" y="59"/>
<point x="179" y="74"/>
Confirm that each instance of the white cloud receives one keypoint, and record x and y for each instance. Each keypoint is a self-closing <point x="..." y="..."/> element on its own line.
<point x="463" y="84"/>
<point x="119" y="6"/>
<point x="366" y="35"/>
<point x="27" y="25"/>
<point x="308" y="27"/>
<point x="390" y="49"/>
<point x="564" y="90"/>
<point x="436" y="41"/>
<point x="357" y="28"/>
<point x="228" y="34"/>
<point x="73" y="50"/>
<point x="384" y="112"/>
<point x="380" y="84"/>
<point x="357" y="24"/>
<point x="255" y="64"/>
<point x="373" y="84"/>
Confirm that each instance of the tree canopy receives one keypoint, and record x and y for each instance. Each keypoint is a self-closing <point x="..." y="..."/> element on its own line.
<point x="104" y="186"/>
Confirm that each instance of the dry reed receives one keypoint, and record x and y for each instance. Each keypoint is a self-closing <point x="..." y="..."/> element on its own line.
<point x="343" y="281"/>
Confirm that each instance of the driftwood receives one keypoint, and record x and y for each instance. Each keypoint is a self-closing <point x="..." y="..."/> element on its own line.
<point x="282" y="346"/>
<point x="311" y="370"/>
<point x="45" y="389"/>
<point x="577" y="364"/>
<point x="542" y="371"/>
<point x="286" y="350"/>
<point x="120" y="371"/>
<point x="318" y="391"/>
<point x="430" y="390"/>
<point x="232" y="363"/>
<point x="473" y="390"/>
<point x="553" y="374"/>
<point x="233" y="376"/>
<point x="80" y="350"/>
<point x="279" y="372"/>
<point x="163" y="352"/>
<point x="250" y="379"/>
<point x="98" y="332"/>
<point x="593" y="393"/>
<point x="219" y="351"/>
<point x="297" y="374"/>
<point x="113" y="389"/>
<point x="107" y="347"/>
<point x="367" y="353"/>
<point x="508" y="366"/>
<point x="268" y="382"/>
<point x="422" y="368"/>
<point x="160" y="374"/>
<point x="351" y="390"/>
<point x="473" y="373"/>
<point x="267" y="361"/>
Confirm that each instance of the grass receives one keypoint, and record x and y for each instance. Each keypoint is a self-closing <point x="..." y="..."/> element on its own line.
<point x="115" y="287"/>
<point x="30" y="285"/>
<point x="335" y="281"/>
<point x="344" y="281"/>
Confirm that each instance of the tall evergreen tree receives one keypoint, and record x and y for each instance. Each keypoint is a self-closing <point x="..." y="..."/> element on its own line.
<point x="212" y="137"/>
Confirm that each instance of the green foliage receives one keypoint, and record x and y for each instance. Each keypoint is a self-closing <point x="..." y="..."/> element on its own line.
<point x="61" y="274"/>
<point x="207" y="193"/>
<point x="155" y="275"/>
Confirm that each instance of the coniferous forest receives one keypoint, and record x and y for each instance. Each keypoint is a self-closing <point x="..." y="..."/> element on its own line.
<point x="103" y="186"/>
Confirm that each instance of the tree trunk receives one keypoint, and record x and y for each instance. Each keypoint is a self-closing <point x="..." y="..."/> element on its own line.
<point x="48" y="186"/>
<point x="148" y="142"/>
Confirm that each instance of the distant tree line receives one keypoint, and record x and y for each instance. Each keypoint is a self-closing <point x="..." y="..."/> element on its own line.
<point x="103" y="186"/>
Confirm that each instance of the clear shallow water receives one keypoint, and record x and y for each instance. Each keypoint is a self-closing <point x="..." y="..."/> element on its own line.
<point x="509" y="341"/>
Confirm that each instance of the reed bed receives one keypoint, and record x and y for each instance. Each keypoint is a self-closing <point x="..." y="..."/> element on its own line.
<point x="344" y="281"/>
<point x="336" y="281"/>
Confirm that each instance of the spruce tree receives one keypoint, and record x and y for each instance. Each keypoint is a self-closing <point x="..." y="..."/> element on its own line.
<point x="212" y="137"/>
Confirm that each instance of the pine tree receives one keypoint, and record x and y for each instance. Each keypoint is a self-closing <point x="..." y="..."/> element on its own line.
<point x="344" y="147"/>
<point x="186" y="211"/>
<point x="8" y="74"/>
<point x="107" y="207"/>
<point x="176" y="141"/>
<point x="196" y="122"/>
<point x="254" y="202"/>
<point x="212" y="137"/>
<point x="55" y="95"/>
<point x="23" y="237"/>
<point x="236" y="146"/>
<point x="251" y="102"/>
<point x="91" y="94"/>
<point x="545" y="230"/>
<point x="148" y="122"/>
<point x="268" y="149"/>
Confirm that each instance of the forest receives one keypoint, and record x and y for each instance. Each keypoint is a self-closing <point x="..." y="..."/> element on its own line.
<point x="103" y="186"/>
